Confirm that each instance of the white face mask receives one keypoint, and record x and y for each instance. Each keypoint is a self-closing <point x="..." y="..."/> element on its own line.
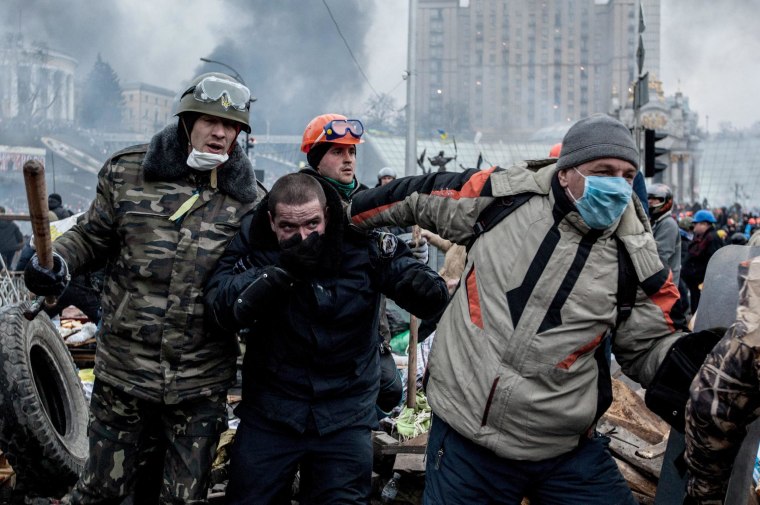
<point x="205" y="161"/>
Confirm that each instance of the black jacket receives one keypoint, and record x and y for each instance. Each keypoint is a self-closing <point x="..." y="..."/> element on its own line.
<point x="700" y="250"/>
<point x="314" y="349"/>
<point x="10" y="236"/>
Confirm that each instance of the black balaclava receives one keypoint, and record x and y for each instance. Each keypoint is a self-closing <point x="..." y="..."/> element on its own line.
<point x="316" y="153"/>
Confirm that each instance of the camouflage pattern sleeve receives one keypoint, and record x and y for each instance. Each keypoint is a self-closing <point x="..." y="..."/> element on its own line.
<point x="725" y="396"/>
<point x="93" y="236"/>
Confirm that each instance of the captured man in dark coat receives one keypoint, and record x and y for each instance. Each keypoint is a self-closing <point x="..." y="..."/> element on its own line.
<point x="308" y="287"/>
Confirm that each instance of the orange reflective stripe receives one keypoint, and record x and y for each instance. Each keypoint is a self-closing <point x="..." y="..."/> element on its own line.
<point x="566" y="363"/>
<point x="665" y="298"/>
<point x="363" y="216"/>
<point x="476" y="316"/>
<point x="471" y="188"/>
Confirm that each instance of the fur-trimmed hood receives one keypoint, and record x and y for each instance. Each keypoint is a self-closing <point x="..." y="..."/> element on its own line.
<point x="166" y="160"/>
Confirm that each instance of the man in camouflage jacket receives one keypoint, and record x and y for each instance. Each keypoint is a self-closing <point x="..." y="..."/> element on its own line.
<point x="725" y="397"/>
<point x="162" y="216"/>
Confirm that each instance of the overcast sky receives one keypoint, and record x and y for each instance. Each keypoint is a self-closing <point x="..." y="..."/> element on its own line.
<point x="291" y="48"/>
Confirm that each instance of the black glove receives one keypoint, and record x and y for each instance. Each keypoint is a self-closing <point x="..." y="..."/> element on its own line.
<point x="257" y="299"/>
<point x="668" y="392"/>
<point x="302" y="257"/>
<point x="421" y="292"/>
<point x="41" y="281"/>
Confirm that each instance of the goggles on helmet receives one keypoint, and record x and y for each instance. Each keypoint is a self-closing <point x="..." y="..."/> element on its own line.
<point x="228" y="93"/>
<point x="339" y="128"/>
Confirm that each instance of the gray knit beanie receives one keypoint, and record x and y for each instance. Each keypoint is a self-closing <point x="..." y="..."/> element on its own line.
<point x="595" y="137"/>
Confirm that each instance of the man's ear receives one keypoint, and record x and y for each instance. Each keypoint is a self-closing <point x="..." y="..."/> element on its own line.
<point x="327" y="215"/>
<point x="271" y="220"/>
<point x="238" y="129"/>
<point x="562" y="177"/>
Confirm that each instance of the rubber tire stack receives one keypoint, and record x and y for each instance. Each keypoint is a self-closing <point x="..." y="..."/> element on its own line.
<point x="43" y="411"/>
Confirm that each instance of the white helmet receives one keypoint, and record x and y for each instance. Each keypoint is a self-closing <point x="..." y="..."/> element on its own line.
<point x="386" y="172"/>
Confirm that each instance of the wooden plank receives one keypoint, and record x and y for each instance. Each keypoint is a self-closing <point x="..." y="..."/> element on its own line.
<point x="409" y="463"/>
<point x="416" y="445"/>
<point x="15" y="217"/>
<point x="637" y="481"/>
<point x="653" y="451"/>
<point x="624" y="445"/>
<point x="381" y="439"/>
<point x="402" y="449"/>
<point x="629" y="411"/>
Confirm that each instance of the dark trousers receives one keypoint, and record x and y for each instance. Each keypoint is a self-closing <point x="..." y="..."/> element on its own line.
<point x="7" y="258"/>
<point x="460" y="472"/>
<point x="334" y="468"/>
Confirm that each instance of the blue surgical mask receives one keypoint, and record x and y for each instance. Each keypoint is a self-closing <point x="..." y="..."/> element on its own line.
<point x="604" y="200"/>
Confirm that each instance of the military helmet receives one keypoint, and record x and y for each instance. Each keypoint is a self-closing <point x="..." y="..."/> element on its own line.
<point x="217" y="94"/>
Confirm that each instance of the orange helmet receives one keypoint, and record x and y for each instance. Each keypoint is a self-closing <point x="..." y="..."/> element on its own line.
<point x="555" y="150"/>
<point x="334" y="128"/>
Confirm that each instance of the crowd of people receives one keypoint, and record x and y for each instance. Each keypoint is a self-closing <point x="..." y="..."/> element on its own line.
<point x="559" y="265"/>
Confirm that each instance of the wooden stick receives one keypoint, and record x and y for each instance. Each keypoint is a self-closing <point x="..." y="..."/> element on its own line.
<point x="36" y="196"/>
<point x="411" y="374"/>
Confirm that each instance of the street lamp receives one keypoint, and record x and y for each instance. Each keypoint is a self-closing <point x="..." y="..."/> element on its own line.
<point x="237" y="76"/>
<point x="235" y="73"/>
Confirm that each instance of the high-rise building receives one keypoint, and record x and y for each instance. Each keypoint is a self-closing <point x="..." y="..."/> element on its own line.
<point x="511" y="67"/>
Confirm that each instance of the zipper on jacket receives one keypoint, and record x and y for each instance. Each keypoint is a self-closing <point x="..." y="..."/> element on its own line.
<point x="438" y="457"/>
<point x="489" y="401"/>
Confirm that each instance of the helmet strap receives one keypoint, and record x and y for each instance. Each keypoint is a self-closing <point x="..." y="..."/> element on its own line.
<point x="189" y="143"/>
<point x="232" y="144"/>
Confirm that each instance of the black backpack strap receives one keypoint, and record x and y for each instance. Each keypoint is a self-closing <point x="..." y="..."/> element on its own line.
<point x="500" y="208"/>
<point x="626" y="298"/>
<point x="627" y="284"/>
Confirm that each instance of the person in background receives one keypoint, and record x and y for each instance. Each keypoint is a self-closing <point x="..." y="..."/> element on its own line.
<point x="55" y="205"/>
<point x="385" y="175"/>
<point x="706" y="242"/>
<point x="668" y="238"/>
<point x="754" y="239"/>
<point x="665" y="228"/>
<point x="737" y="238"/>
<point x="162" y="216"/>
<point x="11" y="240"/>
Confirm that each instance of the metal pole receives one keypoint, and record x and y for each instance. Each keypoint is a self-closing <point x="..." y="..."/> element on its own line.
<point x="640" y="65"/>
<point x="411" y="78"/>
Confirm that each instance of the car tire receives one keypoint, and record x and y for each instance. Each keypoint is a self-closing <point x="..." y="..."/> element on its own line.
<point x="43" y="411"/>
